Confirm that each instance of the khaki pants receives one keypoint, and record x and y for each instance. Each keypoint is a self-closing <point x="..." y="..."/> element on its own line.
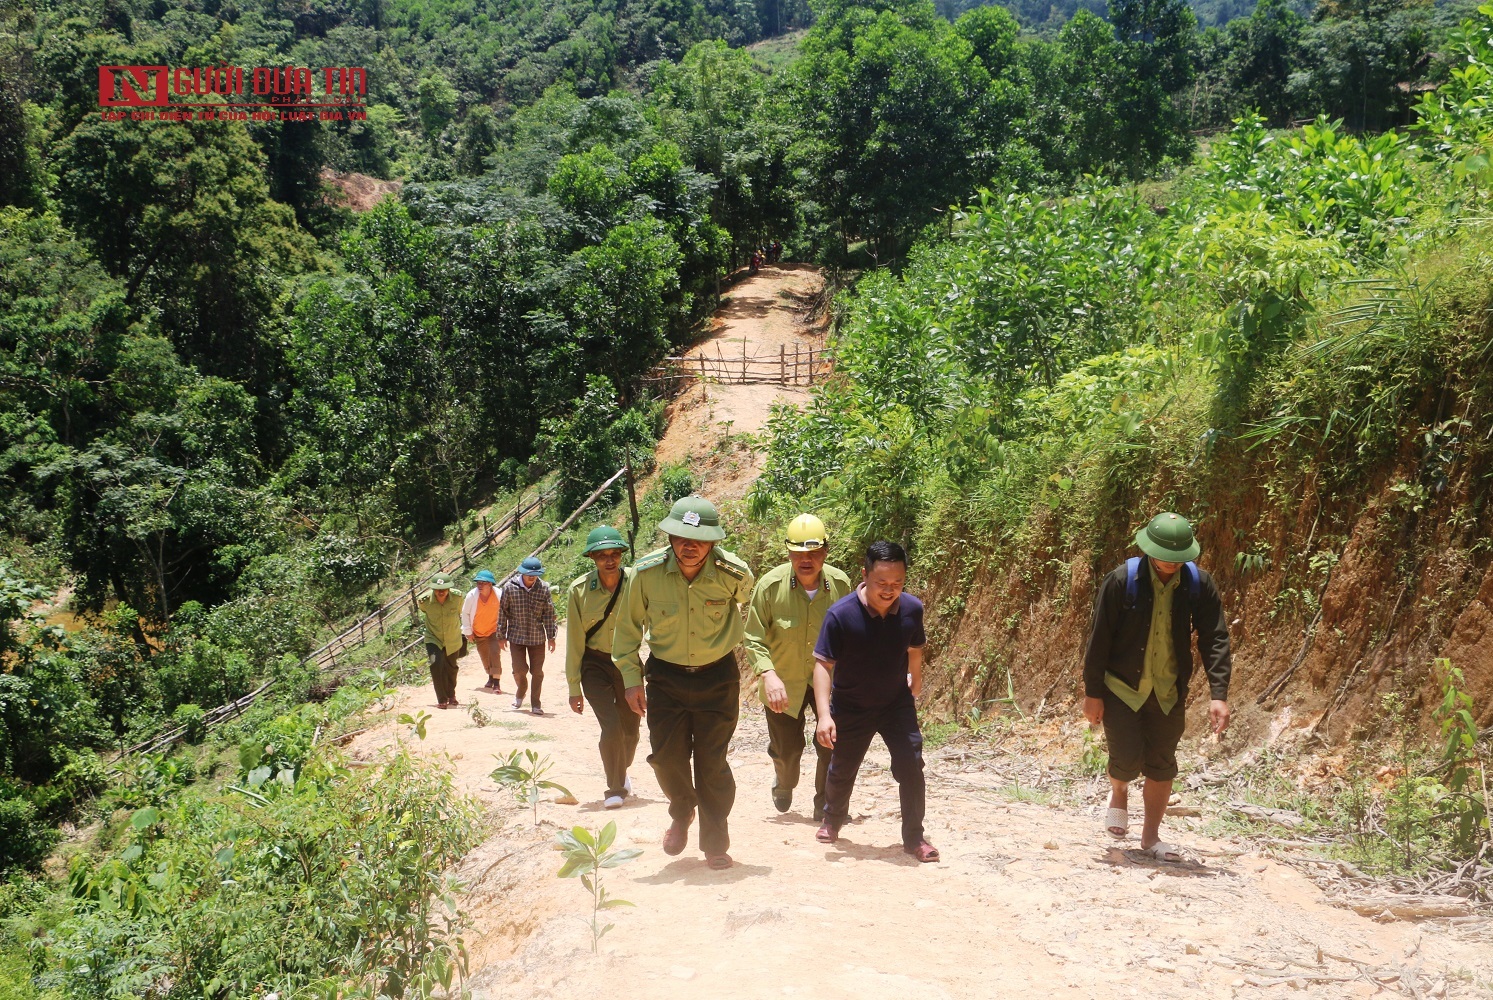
<point x="487" y="652"/>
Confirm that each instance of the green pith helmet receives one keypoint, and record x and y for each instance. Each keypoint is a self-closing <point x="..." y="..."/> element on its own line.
<point x="694" y="517"/>
<point x="441" y="581"/>
<point x="603" y="538"/>
<point x="1168" y="537"/>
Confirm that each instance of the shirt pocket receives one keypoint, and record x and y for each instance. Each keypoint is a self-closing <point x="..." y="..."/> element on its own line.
<point x="715" y="611"/>
<point x="664" y="620"/>
<point x="785" y="624"/>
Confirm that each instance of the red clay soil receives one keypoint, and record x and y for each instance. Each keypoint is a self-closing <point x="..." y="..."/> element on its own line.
<point x="358" y="192"/>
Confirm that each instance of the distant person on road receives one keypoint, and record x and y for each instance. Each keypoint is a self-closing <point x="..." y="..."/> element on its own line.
<point x="444" y="642"/>
<point x="1138" y="663"/>
<point x="479" y="623"/>
<point x="868" y="673"/>
<point x="685" y="598"/>
<point x="788" y="607"/>
<point x="526" y="623"/>
<point x="590" y="620"/>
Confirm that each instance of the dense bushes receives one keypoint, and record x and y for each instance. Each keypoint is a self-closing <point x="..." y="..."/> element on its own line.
<point x="1054" y="349"/>
<point x="333" y="880"/>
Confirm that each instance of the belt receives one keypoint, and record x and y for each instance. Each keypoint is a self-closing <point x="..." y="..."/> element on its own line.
<point x="688" y="669"/>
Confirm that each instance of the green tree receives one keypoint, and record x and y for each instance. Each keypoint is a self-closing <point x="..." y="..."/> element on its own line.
<point x="886" y="100"/>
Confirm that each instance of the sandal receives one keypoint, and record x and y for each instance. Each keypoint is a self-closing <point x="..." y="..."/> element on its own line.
<point x="923" y="851"/>
<point x="719" y="862"/>
<point x="1117" y="819"/>
<point x="1162" y="851"/>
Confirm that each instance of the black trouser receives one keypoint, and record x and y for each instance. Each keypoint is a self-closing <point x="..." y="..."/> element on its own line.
<point x="897" y="724"/>
<point x="694" y="714"/>
<point x="602" y="684"/>
<point x="785" y="745"/>
<point x="442" y="673"/>
<point x="528" y="669"/>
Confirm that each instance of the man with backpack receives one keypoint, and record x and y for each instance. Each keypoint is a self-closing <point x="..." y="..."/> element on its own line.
<point x="1138" y="664"/>
<point x="589" y="670"/>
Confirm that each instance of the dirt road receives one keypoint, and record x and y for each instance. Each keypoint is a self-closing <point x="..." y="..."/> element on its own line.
<point x="1029" y="901"/>
<point x="759" y="315"/>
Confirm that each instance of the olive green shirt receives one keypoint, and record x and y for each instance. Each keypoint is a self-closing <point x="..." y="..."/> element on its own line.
<point x="442" y="620"/>
<point x="1160" y="672"/>
<point x="588" y="600"/>
<point x="689" y="622"/>
<point x="783" y="624"/>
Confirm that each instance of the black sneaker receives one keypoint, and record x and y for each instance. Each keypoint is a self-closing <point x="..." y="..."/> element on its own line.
<point x="782" y="800"/>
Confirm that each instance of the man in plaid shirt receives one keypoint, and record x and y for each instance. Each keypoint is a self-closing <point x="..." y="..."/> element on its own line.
<point x="526" y="619"/>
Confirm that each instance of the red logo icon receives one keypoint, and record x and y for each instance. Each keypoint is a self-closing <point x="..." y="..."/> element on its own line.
<point x="136" y="86"/>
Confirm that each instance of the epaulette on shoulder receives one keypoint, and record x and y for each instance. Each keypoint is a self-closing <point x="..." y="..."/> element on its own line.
<point x="655" y="558"/>
<point x="730" y="562"/>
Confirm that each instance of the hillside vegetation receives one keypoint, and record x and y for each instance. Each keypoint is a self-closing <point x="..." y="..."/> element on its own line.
<point x="1291" y="346"/>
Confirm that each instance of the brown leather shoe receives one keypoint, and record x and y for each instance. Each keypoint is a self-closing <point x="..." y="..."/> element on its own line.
<point x="720" y="862"/>
<point x="828" y="833"/>
<point x="677" y="837"/>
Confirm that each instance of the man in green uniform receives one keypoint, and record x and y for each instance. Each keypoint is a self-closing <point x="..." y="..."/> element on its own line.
<point x="685" y="598"/>
<point x="444" y="643"/>
<point x="787" y="609"/>
<point x="589" y="624"/>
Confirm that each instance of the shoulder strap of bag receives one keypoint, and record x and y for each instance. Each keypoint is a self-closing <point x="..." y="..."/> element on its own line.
<point x="607" y="613"/>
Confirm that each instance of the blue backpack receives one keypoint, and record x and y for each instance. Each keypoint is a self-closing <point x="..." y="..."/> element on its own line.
<point x="1132" y="570"/>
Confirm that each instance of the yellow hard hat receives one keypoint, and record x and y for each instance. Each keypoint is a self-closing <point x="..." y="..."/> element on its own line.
<point x="806" y="533"/>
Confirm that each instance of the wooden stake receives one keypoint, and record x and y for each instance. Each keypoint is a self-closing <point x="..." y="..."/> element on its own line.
<point x="632" y="503"/>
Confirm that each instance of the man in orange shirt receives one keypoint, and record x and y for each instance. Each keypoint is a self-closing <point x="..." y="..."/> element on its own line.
<point x="479" y="623"/>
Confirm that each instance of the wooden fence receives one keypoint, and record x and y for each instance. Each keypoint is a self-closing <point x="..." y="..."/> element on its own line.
<point x="405" y="607"/>
<point x="356" y="635"/>
<point x="801" y="366"/>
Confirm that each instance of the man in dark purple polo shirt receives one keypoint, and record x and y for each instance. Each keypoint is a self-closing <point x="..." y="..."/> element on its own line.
<point x="868" y="670"/>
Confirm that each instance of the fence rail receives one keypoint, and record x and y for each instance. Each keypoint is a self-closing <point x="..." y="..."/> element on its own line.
<point x="399" y="609"/>
<point x="800" y="366"/>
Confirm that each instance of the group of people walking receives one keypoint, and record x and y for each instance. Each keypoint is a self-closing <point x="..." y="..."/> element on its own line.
<point x="520" y="618"/>
<point x="849" y="651"/>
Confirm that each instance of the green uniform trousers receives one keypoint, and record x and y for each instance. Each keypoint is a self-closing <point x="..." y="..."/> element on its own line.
<point x="601" y="683"/>
<point x="693" y="714"/>
<point x="442" y="673"/>
<point x="785" y="745"/>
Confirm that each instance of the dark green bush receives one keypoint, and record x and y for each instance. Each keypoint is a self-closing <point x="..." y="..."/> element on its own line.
<point x="192" y="720"/>
<point x="25" y="839"/>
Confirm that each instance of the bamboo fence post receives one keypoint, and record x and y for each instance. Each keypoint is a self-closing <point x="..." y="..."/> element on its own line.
<point x="782" y="365"/>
